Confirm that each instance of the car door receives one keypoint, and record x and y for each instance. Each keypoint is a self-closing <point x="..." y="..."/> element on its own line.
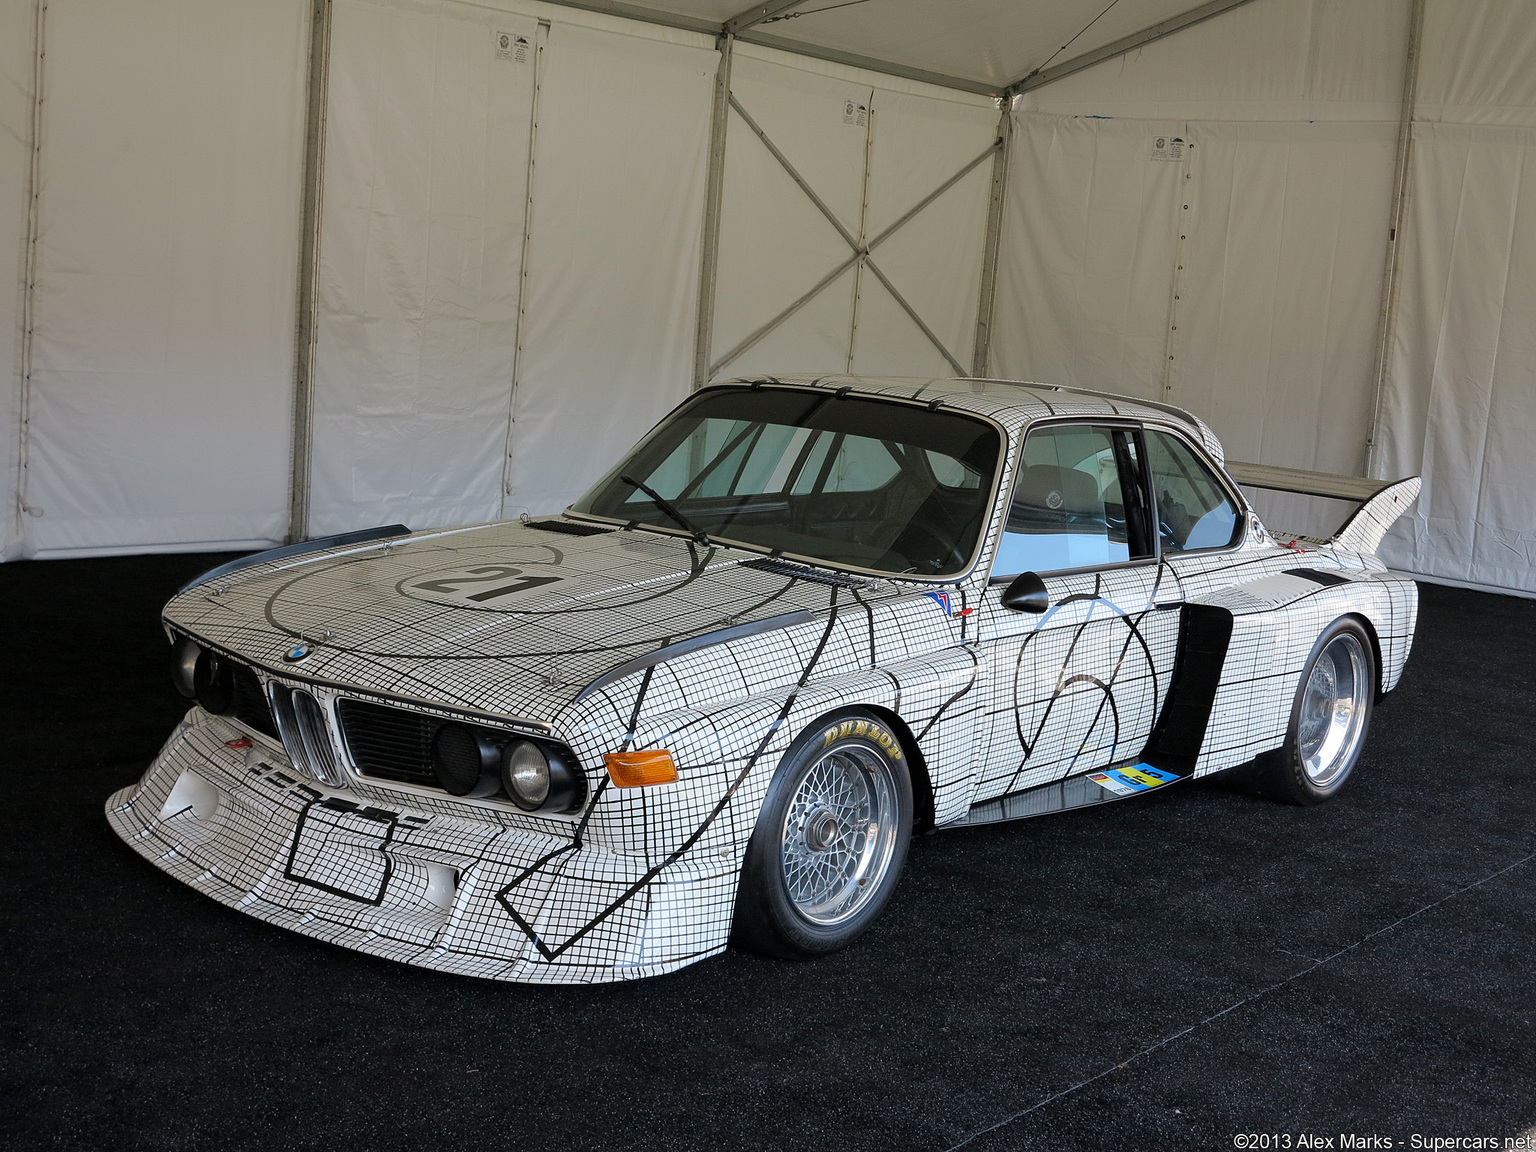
<point x="1077" y="686"/>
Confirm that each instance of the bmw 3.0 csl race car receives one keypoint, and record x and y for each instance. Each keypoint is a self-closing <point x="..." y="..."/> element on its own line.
<point x="713" y="699"/>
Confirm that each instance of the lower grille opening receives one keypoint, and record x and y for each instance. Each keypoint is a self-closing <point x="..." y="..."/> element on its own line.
<point x="389" y="743"/>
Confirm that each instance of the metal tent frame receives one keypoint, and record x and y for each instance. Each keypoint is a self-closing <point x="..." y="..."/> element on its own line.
<point x="861" y="250"/>
<point x="745" y="27"/>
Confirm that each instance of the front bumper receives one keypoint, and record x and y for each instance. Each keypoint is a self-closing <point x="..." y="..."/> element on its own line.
<point x="475" y="897"/>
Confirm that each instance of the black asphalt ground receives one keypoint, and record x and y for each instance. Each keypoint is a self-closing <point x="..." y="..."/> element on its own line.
<point x="1168" y="972"/>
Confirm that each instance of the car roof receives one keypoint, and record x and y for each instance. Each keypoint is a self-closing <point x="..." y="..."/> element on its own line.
<point x="1012" y="403"/>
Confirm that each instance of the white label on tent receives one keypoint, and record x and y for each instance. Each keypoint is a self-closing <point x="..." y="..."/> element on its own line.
<point x="1168" y="148"/>
<point x="510" y="46"/>
<point x="855" y="113"/>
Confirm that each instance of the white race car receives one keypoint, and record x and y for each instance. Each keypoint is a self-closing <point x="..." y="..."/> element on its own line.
<point x="712" y="700"/>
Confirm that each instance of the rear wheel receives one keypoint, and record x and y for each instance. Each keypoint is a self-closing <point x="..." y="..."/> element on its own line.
<point x="830" y="840"/>
<point x="1329" y="719"/>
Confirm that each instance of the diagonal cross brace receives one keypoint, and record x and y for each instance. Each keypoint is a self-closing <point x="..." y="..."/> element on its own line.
<point x="860" y="251"/>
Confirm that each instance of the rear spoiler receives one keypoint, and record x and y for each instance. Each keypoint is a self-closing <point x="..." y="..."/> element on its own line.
<point x="1381" y="501"/>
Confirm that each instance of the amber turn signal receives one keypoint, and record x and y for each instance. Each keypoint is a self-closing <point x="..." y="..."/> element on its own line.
<point x="637" y="769"/>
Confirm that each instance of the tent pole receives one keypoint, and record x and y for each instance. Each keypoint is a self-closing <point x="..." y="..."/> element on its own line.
<point x="858" y="269"/>
<point x="309" y="265"/>
<point x="17" y="547"/>
<point x="1394" y="228"/>
<point x="714" y="190"/>
<point x="981" y="349"/>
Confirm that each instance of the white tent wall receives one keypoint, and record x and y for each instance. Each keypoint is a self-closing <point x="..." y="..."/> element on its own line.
<point x="170" y="224"/>
<point x="774" y="243"/>
<point x="1459" y="403"/>
<point x="872" y="149"/>
<point x="1241" y="281"/>
<point x="613" y="257"/>
<point x="163" y="301"/>
<point x="1273" y="329"/>
<point x="421" y="240"/>
<point x="1240" y="276"/>
<point x="1266" y="290"/>
<point x="1288" y="60"/>
<point x="935" y="259"/>
<point x="1478" y="63"/>
<point x="472" y="360"/>
<point x="1085" y="271"/>
<point x="17" y="69"/>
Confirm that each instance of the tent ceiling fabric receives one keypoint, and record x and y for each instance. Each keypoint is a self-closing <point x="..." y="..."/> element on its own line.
<point x="980" y="45"/>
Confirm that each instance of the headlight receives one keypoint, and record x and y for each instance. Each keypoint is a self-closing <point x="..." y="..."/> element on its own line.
<point x="465" y="762"/>
<point x="213" y="683"/>
<point x="525" y="771"/>
<point x="541" y="778"/>
<point x="184" y="656"/>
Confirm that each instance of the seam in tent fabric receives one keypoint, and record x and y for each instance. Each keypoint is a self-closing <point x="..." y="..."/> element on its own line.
<point x="1427" y="496"/>
<point x="541" y="39"/>
<point x="1085" y="238"/>
<point x="1333" y="260"/>
<point x="1271" y="398"/>
<point x="1172" y="345"/>
<point x="1493" y="365"/>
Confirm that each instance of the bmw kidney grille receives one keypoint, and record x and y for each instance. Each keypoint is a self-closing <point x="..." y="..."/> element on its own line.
<point x="301" y="724"/>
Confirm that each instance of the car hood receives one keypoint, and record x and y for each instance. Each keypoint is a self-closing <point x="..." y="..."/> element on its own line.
<point x="507" y="618"/>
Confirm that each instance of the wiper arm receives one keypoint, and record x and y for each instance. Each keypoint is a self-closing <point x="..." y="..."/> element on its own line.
<point x="699" y="535"/>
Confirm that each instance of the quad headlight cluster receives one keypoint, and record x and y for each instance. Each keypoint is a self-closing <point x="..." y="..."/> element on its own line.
<point x="203" y="676"/>
<point x="537" y="775"/>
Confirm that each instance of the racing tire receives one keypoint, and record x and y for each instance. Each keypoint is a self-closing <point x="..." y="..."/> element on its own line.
<point x="1329" y="720"/>
<point x="830" y="840"/>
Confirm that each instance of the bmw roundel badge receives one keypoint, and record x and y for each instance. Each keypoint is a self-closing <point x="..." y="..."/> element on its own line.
<point x="296" y="653"/>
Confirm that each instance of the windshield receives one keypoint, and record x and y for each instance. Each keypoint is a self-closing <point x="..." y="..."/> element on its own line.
<point x="854" y="482"/>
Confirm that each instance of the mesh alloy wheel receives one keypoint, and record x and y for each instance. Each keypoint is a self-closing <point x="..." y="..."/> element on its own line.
<point x="830" y="840"/>
<point x="839" y="834"/>
<point x="1330" y="716"/>
<point x="1333" y="709"/>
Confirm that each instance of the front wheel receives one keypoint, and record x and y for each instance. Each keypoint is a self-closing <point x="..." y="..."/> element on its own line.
<point x="1329" y="719"/>
<point x="830" y="840"/>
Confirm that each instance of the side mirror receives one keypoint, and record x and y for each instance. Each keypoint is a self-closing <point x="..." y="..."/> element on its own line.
<point x="1026" y="594"/>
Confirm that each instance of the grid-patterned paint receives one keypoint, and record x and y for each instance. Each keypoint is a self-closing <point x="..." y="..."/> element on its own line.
<point x="642" y="881"/>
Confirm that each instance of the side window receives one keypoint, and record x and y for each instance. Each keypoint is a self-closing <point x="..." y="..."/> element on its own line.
<point x="1068" y="510"/>
<point x="1193" y="509"/>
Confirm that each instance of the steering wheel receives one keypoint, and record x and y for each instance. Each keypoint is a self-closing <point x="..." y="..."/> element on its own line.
<point x="945" y="555"/>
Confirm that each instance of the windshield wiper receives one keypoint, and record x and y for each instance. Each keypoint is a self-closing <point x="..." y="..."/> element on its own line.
<point x="698" y="534"/>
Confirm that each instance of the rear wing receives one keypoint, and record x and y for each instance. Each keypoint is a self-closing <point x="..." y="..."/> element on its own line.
<point x="1381" y="501"/>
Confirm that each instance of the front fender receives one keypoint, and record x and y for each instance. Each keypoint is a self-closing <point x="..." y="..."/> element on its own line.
<point x="727" y="752"/>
